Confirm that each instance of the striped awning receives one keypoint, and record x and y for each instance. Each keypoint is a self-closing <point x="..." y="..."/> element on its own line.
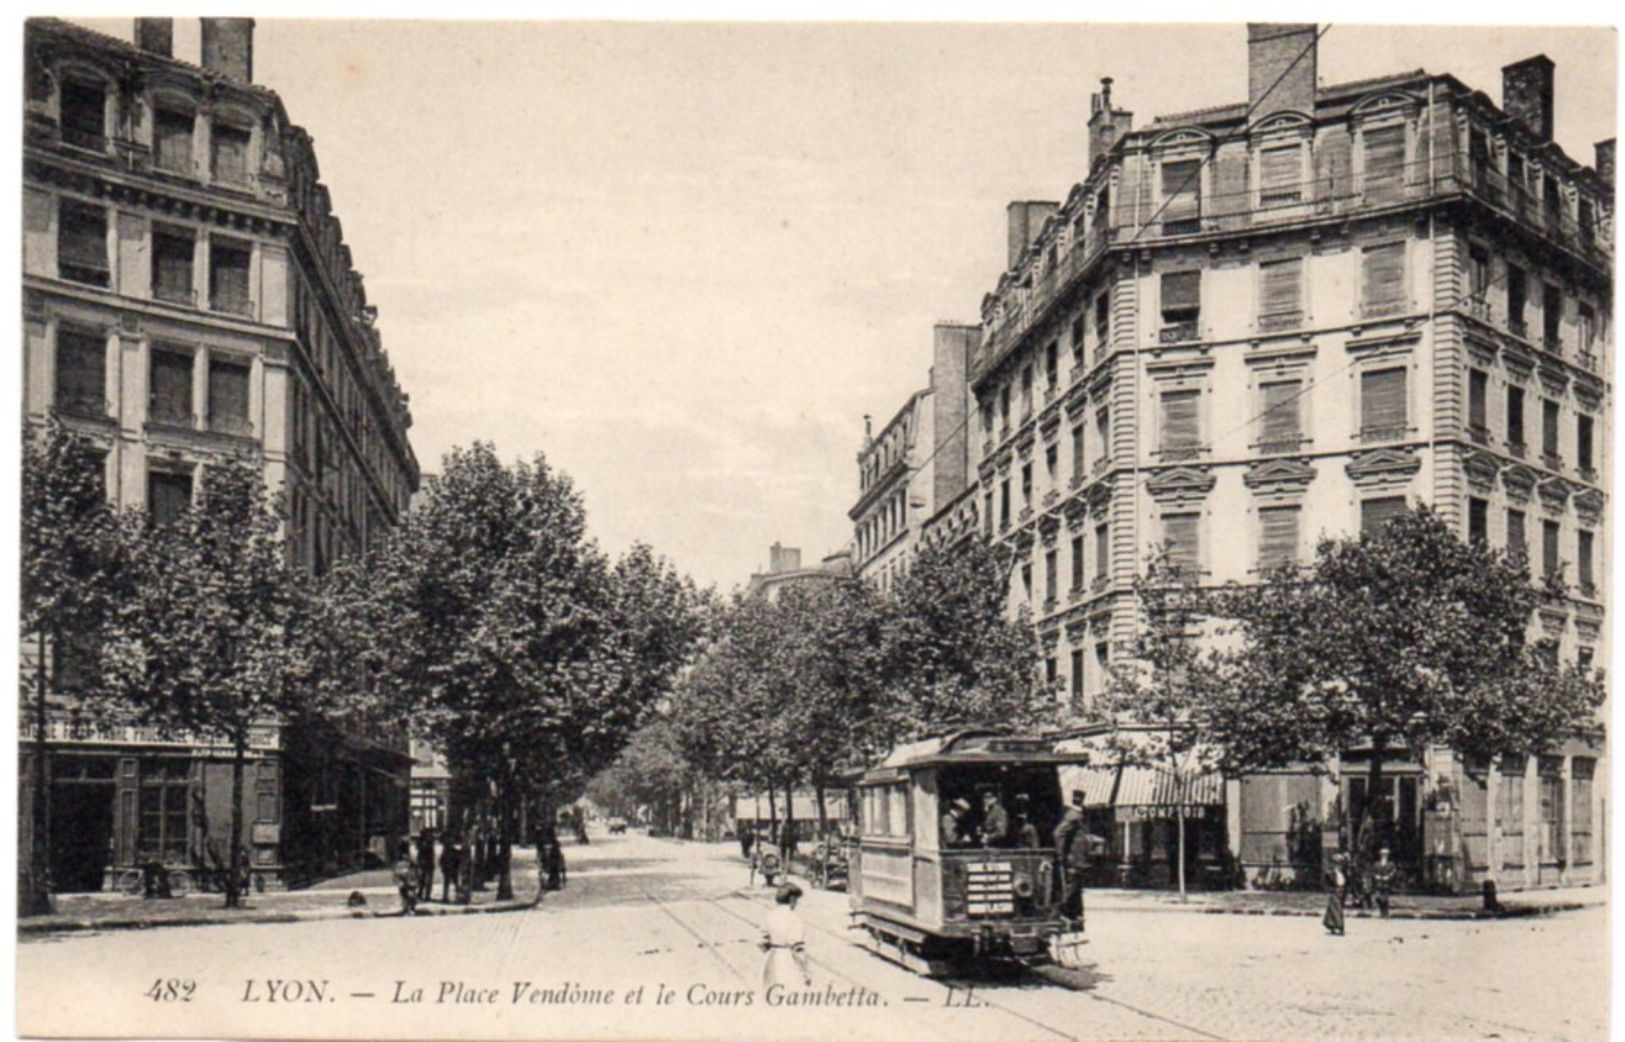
<point x="1143" y="787"/>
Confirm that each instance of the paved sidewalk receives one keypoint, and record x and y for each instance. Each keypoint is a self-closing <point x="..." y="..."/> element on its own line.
<point x="328" y="899"/>
<point x="1313" y="903"/>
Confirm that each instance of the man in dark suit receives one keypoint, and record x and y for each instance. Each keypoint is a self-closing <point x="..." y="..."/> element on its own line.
<point x="426" y="865"/>
<point x="1072" y="855"/>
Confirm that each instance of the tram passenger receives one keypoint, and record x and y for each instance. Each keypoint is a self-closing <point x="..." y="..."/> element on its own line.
<point x="953" y="824"/>
<point x="995" y="826"/>
<point x="1023" y="833"/>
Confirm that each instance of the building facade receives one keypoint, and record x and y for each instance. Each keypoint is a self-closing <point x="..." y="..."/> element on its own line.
<point x="917" y="462"/>
<point x="188" y="296"/>
<point x="784" y="570"/>
<point x="1254" y="325"/>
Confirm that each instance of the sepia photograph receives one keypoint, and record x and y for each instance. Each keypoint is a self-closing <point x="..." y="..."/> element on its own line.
<point x="620" y="530"/>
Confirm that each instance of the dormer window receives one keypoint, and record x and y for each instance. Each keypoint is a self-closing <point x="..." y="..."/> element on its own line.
<point x="172" y="141"/>
<point x="1182" y="196"/>
<point x="1280" y="168"/>
<point x="230" y="154"/>
<point x="84" y="114"/>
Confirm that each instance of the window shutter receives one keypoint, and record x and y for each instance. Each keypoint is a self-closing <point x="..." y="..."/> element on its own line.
<point x="1478" y="393"/>
<point x="228" y="277"/>
<point x="1382" y="399"/>
<point x="1383" y="271"/>
<point x="81" y="373"/>
<point x="1548" y="547"/>
<point x="1281" y="411"/>
<point x="230" y="153"/>
<point x="1182" y="190"/>
<point x="1181" y="293"/>
<point x="1179" y="420"/>
<point x="1179" y="531"/>
<point x="1280" y="171"/>
<point x="1587" y="549"/>
<point x="171" y="387"/>
<point x="228" y="396"/>
<point x="1384" y="154"/>
<point x="1376" y="513"/>
<point x="1278" y="536"/>
<point x="1282" y="287"/>
<point x="168" y="496"/>
<point x="1548" y="432"/>
<point x="83" y="238"/>
<point x="1517" y="539"/>
<point x="174" y="133"/>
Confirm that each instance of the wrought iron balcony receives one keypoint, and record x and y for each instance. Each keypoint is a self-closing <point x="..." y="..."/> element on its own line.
<point x="1179" y="332"/>
<point x="1385" y="433"/>
<point x="1280" y="320"/>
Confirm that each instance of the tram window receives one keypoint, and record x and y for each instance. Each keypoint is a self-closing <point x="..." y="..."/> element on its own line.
<point x="885" y="810"/>
<point x="999" y="806"/>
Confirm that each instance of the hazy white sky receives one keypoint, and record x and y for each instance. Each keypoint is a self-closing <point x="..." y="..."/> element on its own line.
<point x="683" y="261"/>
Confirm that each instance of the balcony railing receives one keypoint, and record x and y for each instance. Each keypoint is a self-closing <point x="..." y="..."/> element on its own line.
<point x="1378" y="435"/>
<point x="1280" y="320"/>
<point x="1551" y="460"/>
<point x="1587" y="359"/>
<point x="1277" y="446"/>
<point x="1180" y="453"/>
<point x="233" y="305"/>
<point x="1445" y="175"/>
<point x="175" y="294"/>
<point x="230" y="425"/>
<point x="1478" y="433"/>
<point x="1179" y="332"/>
<point x="1517" y="448"/>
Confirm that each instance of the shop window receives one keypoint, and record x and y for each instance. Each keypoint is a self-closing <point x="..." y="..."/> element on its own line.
<point x="162" y="830"/>
<point x="171" y="387"/>
<point x="1550" y="790"/>
<point x="1384" y="415"/>
<point x="84" y="114"/>
<point x="81" y="373"/>
<point x="1278" y="536"/>
<point x="229" y="153"/>
<point x="1509" y="803"/>
<point x="172" y="141"/>
<point x="228" y="276"/>
<point x="169" y="495"/>
<point x="228" y="397"/>
<point x="1382" y="279"/>
<point x="173" y="252"/>
<point x="81" y="244"/>
<point x="1583" y="771"/>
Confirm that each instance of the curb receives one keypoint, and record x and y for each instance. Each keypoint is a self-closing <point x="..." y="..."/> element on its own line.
<point x="50" y="925"/>
<point x="1508" y="911"/>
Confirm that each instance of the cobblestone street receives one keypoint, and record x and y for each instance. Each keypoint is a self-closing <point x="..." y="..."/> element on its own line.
<point x="678" y="920"/>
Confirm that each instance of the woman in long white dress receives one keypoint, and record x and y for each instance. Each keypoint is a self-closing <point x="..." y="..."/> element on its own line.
<point x="784" y="940"/>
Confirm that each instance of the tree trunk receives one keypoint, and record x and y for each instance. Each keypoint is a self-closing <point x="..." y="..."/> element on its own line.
<point x="505" y="853"/>
<point x="789" y="823"/>
<point x="36" y="897"/>
<point x="772" y="814"/>
<point x="818" y="795"/>
<point x="1179" y="809"/>
<point x="1374" y="796"/>
<point x="237" y="881"/>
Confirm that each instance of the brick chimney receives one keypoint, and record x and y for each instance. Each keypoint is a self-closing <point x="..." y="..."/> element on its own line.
<point x="1526" y="94"/>
<point x="156" y="36"/>
<point x="1106" y="124"/>
<point x="1023" y="221"/>
<point x="1281" y="67"/>
<point x="781" y="559"/>
<point x="228" y="47"/>
<point x="1605" y="160"/>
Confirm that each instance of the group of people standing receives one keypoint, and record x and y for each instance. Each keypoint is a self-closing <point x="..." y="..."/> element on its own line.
<point x="466" y="862"/>
<point x="1372" y="888"/>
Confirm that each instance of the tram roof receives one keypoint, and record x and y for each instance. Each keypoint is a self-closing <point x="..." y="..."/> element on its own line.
<point x="978" y="745"/>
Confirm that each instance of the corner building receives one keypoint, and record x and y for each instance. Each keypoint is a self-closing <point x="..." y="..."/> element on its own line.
<point x="188" y="296"/>
<point x="1258" y="324"/>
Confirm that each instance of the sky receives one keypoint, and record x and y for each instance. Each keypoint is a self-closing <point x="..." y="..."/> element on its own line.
<point x="684" y="261"/>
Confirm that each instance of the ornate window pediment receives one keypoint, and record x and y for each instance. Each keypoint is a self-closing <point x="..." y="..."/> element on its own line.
<point x="1383" y="467"/>
<point x="1480" y="351"/>
<point x="1588" y="392"/>
<point x="1519" y="482"/>
<point x="1181" y="138"/>
<point x="1076" y="511"/>
<point x="1180" y="484"/>
<point x="1285" y="122"/>
<point x="1098" y="497"/>
<point x="1519" y="364"/>
<point x="1048" y="525"/>
<point x="1588" y="503"/>
<point x="1384" y="104"/>
<point x="1481" y="469"/>
<point x="1553" y="378"/>
<point x="1554" y="494"/>
<point x="1279" y="476"/>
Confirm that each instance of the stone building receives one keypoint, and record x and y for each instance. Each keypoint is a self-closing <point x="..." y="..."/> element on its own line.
<point x="1256" y="324"/>
<point x="187" y="296"/>
<point x="916" y="463"/>
<point x="784" y="570"/>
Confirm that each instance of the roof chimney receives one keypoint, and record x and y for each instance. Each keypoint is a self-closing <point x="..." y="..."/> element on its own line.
<point x="1526" y="94"/>
<point x="1605" y="160"/>
<point x="1023" y="222"/>
<point x="156" y="36"/>
<point x="228" y="48"/>
<point x="1281" y="64"/>
<point x="783" y="559"/>
<point x="1106" y="124"/>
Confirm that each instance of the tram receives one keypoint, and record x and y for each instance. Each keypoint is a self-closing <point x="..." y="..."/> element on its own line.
<point x="955" y="863"/>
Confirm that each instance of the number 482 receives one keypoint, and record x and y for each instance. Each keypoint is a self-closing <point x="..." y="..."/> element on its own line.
<point x="171" y="989"/>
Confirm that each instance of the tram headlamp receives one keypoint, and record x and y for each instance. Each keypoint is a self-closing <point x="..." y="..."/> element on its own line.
<point x="1023" y="886"/>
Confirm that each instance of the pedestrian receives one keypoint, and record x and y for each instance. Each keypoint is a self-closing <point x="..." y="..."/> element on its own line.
<point x="555" y="864"/>
<point x="1072" y="856"/>
<point x="477" y="847"/>
<point x="451" y="865"/>
<point x="747" y="838"/>
<point x="426" y="864"/>
<point x="1382" y="880"/>
<point x="406" y="878"/>
<point x="1337" y="881"/>
<point x="787" y="838"/>
<point x="784" y="940"/>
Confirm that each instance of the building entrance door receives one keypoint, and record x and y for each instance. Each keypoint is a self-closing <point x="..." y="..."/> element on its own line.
<point x="81" y="833"/>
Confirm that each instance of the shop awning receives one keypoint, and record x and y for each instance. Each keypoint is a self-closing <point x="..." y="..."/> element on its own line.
<point x="1143" y="787"/>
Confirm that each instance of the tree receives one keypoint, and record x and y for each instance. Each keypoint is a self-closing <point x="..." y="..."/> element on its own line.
<point x="1405" y="639"/>
<point x="951" y="655"/>
<point x="71" y="574"/>
<point x="205" y="641"/>
<point x="1154" y="698"/>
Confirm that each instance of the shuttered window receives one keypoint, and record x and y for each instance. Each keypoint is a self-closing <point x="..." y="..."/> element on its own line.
<point x="1179" y="531"/>
<point x="1280" y="174"/>
<point x="84" y="114"/>
<point x="228" y="397"/>
<point x="1548" y="427"/>
<point x="1277" y="536"/>
<point x="168" y="495"/>
<point x="1478" y="395"/>
<point x="1281" y="424"/>
<point x="1550" y="562"/>
<point x="1179" y="420"/>
<point x="171" y="400"/>
<point x="81" y="373"/>
<point x="1384" y="156"/>
<point x="1077" y="562"/>
<point x="228" y="276"/>
<point x="1181" y="191"/>
<point x="1584" y="430"/>
<point x="172" y="139"/>
<point x="1102" y="549"/>
<point x="1281" y="293"/>
<point x="1515" y="418"/>
<point x="229" y="153"/>
<point x="172" y="254"/>
<point x="1587" y="577"/>
<point x="1376" y="513"/>
<point x="1077" y="451"/>
<point x="1382" y="278"/>
<point x="1382" y="403"/>
<point x="1478" y="520"/>
<point x="1181" y="295"/>
<point x="1517" y="538"/>
<point x="81" y="245"/>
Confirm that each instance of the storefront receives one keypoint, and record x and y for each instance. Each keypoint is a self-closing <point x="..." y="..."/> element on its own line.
<point x="1136" y="812"/>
